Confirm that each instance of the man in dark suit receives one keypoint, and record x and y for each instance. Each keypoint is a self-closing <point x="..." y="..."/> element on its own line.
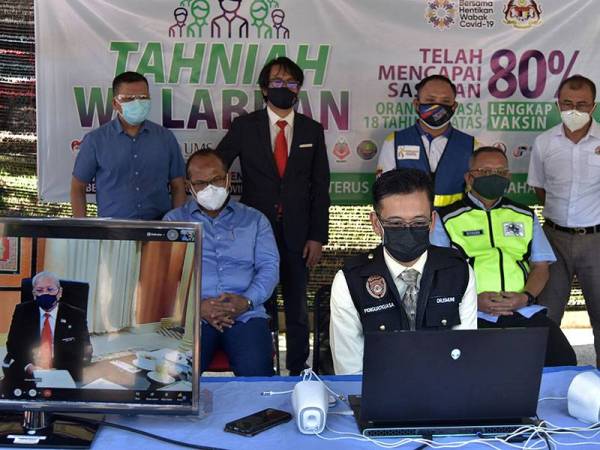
<point x="285" y="175"/>
<point x="46" y="334"/>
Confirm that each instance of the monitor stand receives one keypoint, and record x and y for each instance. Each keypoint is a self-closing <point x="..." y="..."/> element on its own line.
<point x="37" y="429"/>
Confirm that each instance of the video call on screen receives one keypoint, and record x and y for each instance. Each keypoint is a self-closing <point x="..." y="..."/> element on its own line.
<point x="118" y="329"/>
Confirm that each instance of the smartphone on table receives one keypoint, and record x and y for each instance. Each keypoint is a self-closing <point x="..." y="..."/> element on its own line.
<point x="257" y="422"/>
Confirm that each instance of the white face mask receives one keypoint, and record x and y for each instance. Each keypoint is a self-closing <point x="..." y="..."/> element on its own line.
<point x="574" y="120"/>
<point x="212" y="197"/>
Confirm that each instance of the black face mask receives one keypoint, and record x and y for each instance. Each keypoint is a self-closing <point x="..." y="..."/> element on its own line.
<point x="46" y="301"/>
<point x="282" y="97"/>
<point x="406" y="244"/>
<point x="435" y="115"/>
<point x="490" y="186"/>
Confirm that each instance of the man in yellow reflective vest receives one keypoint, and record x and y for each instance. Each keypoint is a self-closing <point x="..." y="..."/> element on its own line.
<point x="506" y="246"/>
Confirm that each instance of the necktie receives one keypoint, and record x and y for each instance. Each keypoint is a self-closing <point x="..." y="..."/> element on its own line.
<point x="281" y="152"/>
<point x="45" y="361"/>
<point x="409" y="299"/>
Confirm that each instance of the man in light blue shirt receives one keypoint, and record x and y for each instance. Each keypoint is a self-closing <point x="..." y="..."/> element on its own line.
<point x="134" y="161"/>
<point x="240" y="268"/>
<point x="507" y="248"/>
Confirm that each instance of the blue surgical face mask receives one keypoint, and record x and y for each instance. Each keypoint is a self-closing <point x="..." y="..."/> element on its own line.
<point x="135" y="111"/>
<point x="46" y="301"/>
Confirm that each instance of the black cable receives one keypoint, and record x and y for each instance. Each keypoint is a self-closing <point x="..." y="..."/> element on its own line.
<point x="545" y="437"/>
<point x="134" y="430"/>
<point x="429" y="437"/>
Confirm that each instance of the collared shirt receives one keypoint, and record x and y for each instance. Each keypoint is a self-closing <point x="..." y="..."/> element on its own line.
<point x="570" y="175"/>
<point x="239" y="253"/>
<point x="434" y="149"/>
<point x="51" y="320"/>
<point x="541" y="251"/>
<point x="434" y="146"/>
<point x="345" y="328"/>
<point x="274" y="128"/>
<point x="132" y="173"/>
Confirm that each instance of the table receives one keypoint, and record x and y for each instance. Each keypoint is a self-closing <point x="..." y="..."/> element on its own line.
<point x="233" y="398"/>
<point x="236" y="397"/>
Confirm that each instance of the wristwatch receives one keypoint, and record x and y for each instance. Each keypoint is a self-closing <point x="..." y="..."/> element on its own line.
<point x="531" y="300"/>
<point x="250" y="305"/>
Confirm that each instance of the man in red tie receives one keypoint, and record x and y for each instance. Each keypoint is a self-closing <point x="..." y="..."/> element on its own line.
<point x="46" y="334"/>
<point x="285" y="175"/>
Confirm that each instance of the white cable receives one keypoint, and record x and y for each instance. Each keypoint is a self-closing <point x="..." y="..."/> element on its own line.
<point x="544" y="430"/>
<point x="433" y="444"/>
<point x="267" y="393"/>
<point x="308" y="374"/>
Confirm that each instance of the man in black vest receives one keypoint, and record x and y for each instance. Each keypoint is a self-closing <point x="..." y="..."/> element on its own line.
<point x="404" y="284"/>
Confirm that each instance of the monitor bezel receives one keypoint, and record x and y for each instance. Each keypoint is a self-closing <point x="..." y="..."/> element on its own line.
<point x="93" y="225"/>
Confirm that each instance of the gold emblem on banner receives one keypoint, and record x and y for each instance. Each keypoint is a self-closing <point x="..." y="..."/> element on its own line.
<point x="522" y="13"/>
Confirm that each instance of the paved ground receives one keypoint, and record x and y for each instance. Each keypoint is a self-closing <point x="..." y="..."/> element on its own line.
<point x="582" y="341"/>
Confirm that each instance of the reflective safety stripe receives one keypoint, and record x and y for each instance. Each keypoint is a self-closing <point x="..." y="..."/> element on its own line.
<point x="445" y="200"/>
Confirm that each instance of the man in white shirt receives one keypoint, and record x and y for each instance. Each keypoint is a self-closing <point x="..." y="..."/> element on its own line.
<point x="565" y="171"/>
<point x="405" y="284"/>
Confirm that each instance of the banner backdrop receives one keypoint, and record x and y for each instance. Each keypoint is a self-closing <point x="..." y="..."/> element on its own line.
<point x="361" y="59"/>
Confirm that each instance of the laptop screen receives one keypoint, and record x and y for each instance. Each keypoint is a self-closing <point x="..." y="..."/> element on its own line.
<point x="99" y="314"/>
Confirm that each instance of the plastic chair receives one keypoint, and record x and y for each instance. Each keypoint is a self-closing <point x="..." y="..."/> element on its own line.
<point x="220" y="361"/>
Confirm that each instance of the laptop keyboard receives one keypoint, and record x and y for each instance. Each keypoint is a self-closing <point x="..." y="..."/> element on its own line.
<point x="494" y="430"/>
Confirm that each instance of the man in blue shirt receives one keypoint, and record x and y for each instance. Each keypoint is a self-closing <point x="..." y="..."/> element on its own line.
<point x="134" y="161"/>
<point x="240" y="268"/>
<point x="508" y="250"/>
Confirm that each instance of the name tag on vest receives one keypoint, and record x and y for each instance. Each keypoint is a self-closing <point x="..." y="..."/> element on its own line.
<point x="473" y="233"/>
<point x="442" y="300"/>
<point x="516" y="229"/>
<point x="377" y="308"/>
<point x="408" y="152"/>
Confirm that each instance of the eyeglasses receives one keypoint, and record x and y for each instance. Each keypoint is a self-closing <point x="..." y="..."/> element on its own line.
<point x="278" y="83"/>
<point x="52" y="290"/>
<point x="396" y="223"/>
<point x="579" y="106"/>
<point x="487" y="172"/>
<point x="218" y="181"/>
<point x="125" y="98"/>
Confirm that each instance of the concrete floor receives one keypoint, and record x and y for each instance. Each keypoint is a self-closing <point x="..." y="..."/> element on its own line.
<point x="582" y="340"/>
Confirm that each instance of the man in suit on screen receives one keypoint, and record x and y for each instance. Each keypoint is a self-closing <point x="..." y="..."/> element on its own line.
<point x="46" y="334"/>
<point x="285" y="175"/>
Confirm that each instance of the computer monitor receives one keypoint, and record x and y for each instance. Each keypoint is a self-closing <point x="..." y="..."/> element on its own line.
<point x="111" y="324"/>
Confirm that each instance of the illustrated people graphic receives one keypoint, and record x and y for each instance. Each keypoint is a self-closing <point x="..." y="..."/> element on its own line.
<point x="200" y="9"/>
<point x="278" y="15"/>
<point x="222" y="25"/>
<point x="180" y="15"/>
<point x="259" y="11"/>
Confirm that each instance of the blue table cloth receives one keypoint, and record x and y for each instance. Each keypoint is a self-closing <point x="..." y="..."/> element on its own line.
<point x="233" y="398"/>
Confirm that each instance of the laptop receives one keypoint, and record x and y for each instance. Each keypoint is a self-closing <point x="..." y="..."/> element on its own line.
<point x="439" y="383"/>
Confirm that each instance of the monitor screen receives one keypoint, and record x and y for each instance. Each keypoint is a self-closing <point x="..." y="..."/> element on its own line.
<point x="99" y="315"/>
